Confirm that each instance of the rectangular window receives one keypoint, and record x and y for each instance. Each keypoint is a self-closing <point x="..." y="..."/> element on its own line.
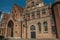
<point x="32" y="4"/>
<point x="33" y="35"/>
<point x="37" y="2"/>
<point x="53" y="29"/>
<point x="33" y="15"/>
<point x="17" y="16"/>
<point x="28" y="6"/>
<point x="39" y="26"/>
<point x="38" y="13"/>
<point x="46" y="29"/>
<point x="43" y="11"/>
<point x="28" y="16"/>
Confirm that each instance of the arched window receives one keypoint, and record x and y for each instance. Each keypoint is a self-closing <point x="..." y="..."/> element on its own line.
<point x="32" y="27"/>
<point x="45" y="26"/>
<point x="10" y="25"/>
<point x="39" y="26"/>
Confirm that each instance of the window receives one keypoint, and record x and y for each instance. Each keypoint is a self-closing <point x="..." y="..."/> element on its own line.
<point x="37" y="3"/>
<point x="39" y="26"/>
<point x="28" y="16"/>
<point x="33" y="35"/>
<point x="54" y="29"/>
<point x="28" y="6"/>
<point x="38" y="13"/>
<point x="13" y="16"/>
<point x="33" y="15"/>
<point x="23" y="16"/>
<point x="32" y="27"/>
<point x="17" y="16"/>
<point x="32" y="4"/>
<point x="52" y="20"/>
<point x="45" y="26"/>
<point x="43" y="11"/>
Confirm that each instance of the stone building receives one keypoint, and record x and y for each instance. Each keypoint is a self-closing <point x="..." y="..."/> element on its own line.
<point x="10" y="23"/>
<point x="37" y="20"/>
<point x="14" y="22"/>
<point x="32" y="22"/>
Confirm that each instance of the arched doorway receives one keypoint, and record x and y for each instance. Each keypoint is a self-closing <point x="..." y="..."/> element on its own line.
<point x="33" y="31"/>
<point x="10" y="28"/>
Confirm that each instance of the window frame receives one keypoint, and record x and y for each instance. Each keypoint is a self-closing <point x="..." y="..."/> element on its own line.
<point x="43" y="11"/>
<point x="32" y="28"/>
<point x="45" y="26"/>
<point x="33" y="15"/>
<point x="39" y="26"/>
<point x="32" y="4"/>
<point x="38" y="13"/>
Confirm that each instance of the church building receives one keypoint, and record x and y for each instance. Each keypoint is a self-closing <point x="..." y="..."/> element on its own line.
<point x="32" y="22"/>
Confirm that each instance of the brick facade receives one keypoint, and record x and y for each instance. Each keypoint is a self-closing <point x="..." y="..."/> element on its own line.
<point x="56" y="15"/>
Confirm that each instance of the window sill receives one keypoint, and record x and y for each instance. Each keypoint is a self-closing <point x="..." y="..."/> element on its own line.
<point x="45" y="31"/>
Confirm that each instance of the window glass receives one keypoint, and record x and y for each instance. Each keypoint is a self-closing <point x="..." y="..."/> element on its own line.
<point x="32" y="27"/>
<point x="39" y="26"/>
<point x="38" y="13"/>
<point x="45" y="26"/>
<point x="32" y="4"/>
<point x="43" y="11"/>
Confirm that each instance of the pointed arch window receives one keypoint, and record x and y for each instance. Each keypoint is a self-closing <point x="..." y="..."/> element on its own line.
<point x="32" y="27"/>
<point x="39" y="26"/>
<point x="45" y="26"/>
<point x="10" y="25"/>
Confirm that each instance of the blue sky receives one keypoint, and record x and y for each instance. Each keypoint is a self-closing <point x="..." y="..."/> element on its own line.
<point x="6" y="5"/>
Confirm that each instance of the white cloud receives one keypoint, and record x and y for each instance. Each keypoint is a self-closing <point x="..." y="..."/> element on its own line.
<point x="1" y="17"/>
